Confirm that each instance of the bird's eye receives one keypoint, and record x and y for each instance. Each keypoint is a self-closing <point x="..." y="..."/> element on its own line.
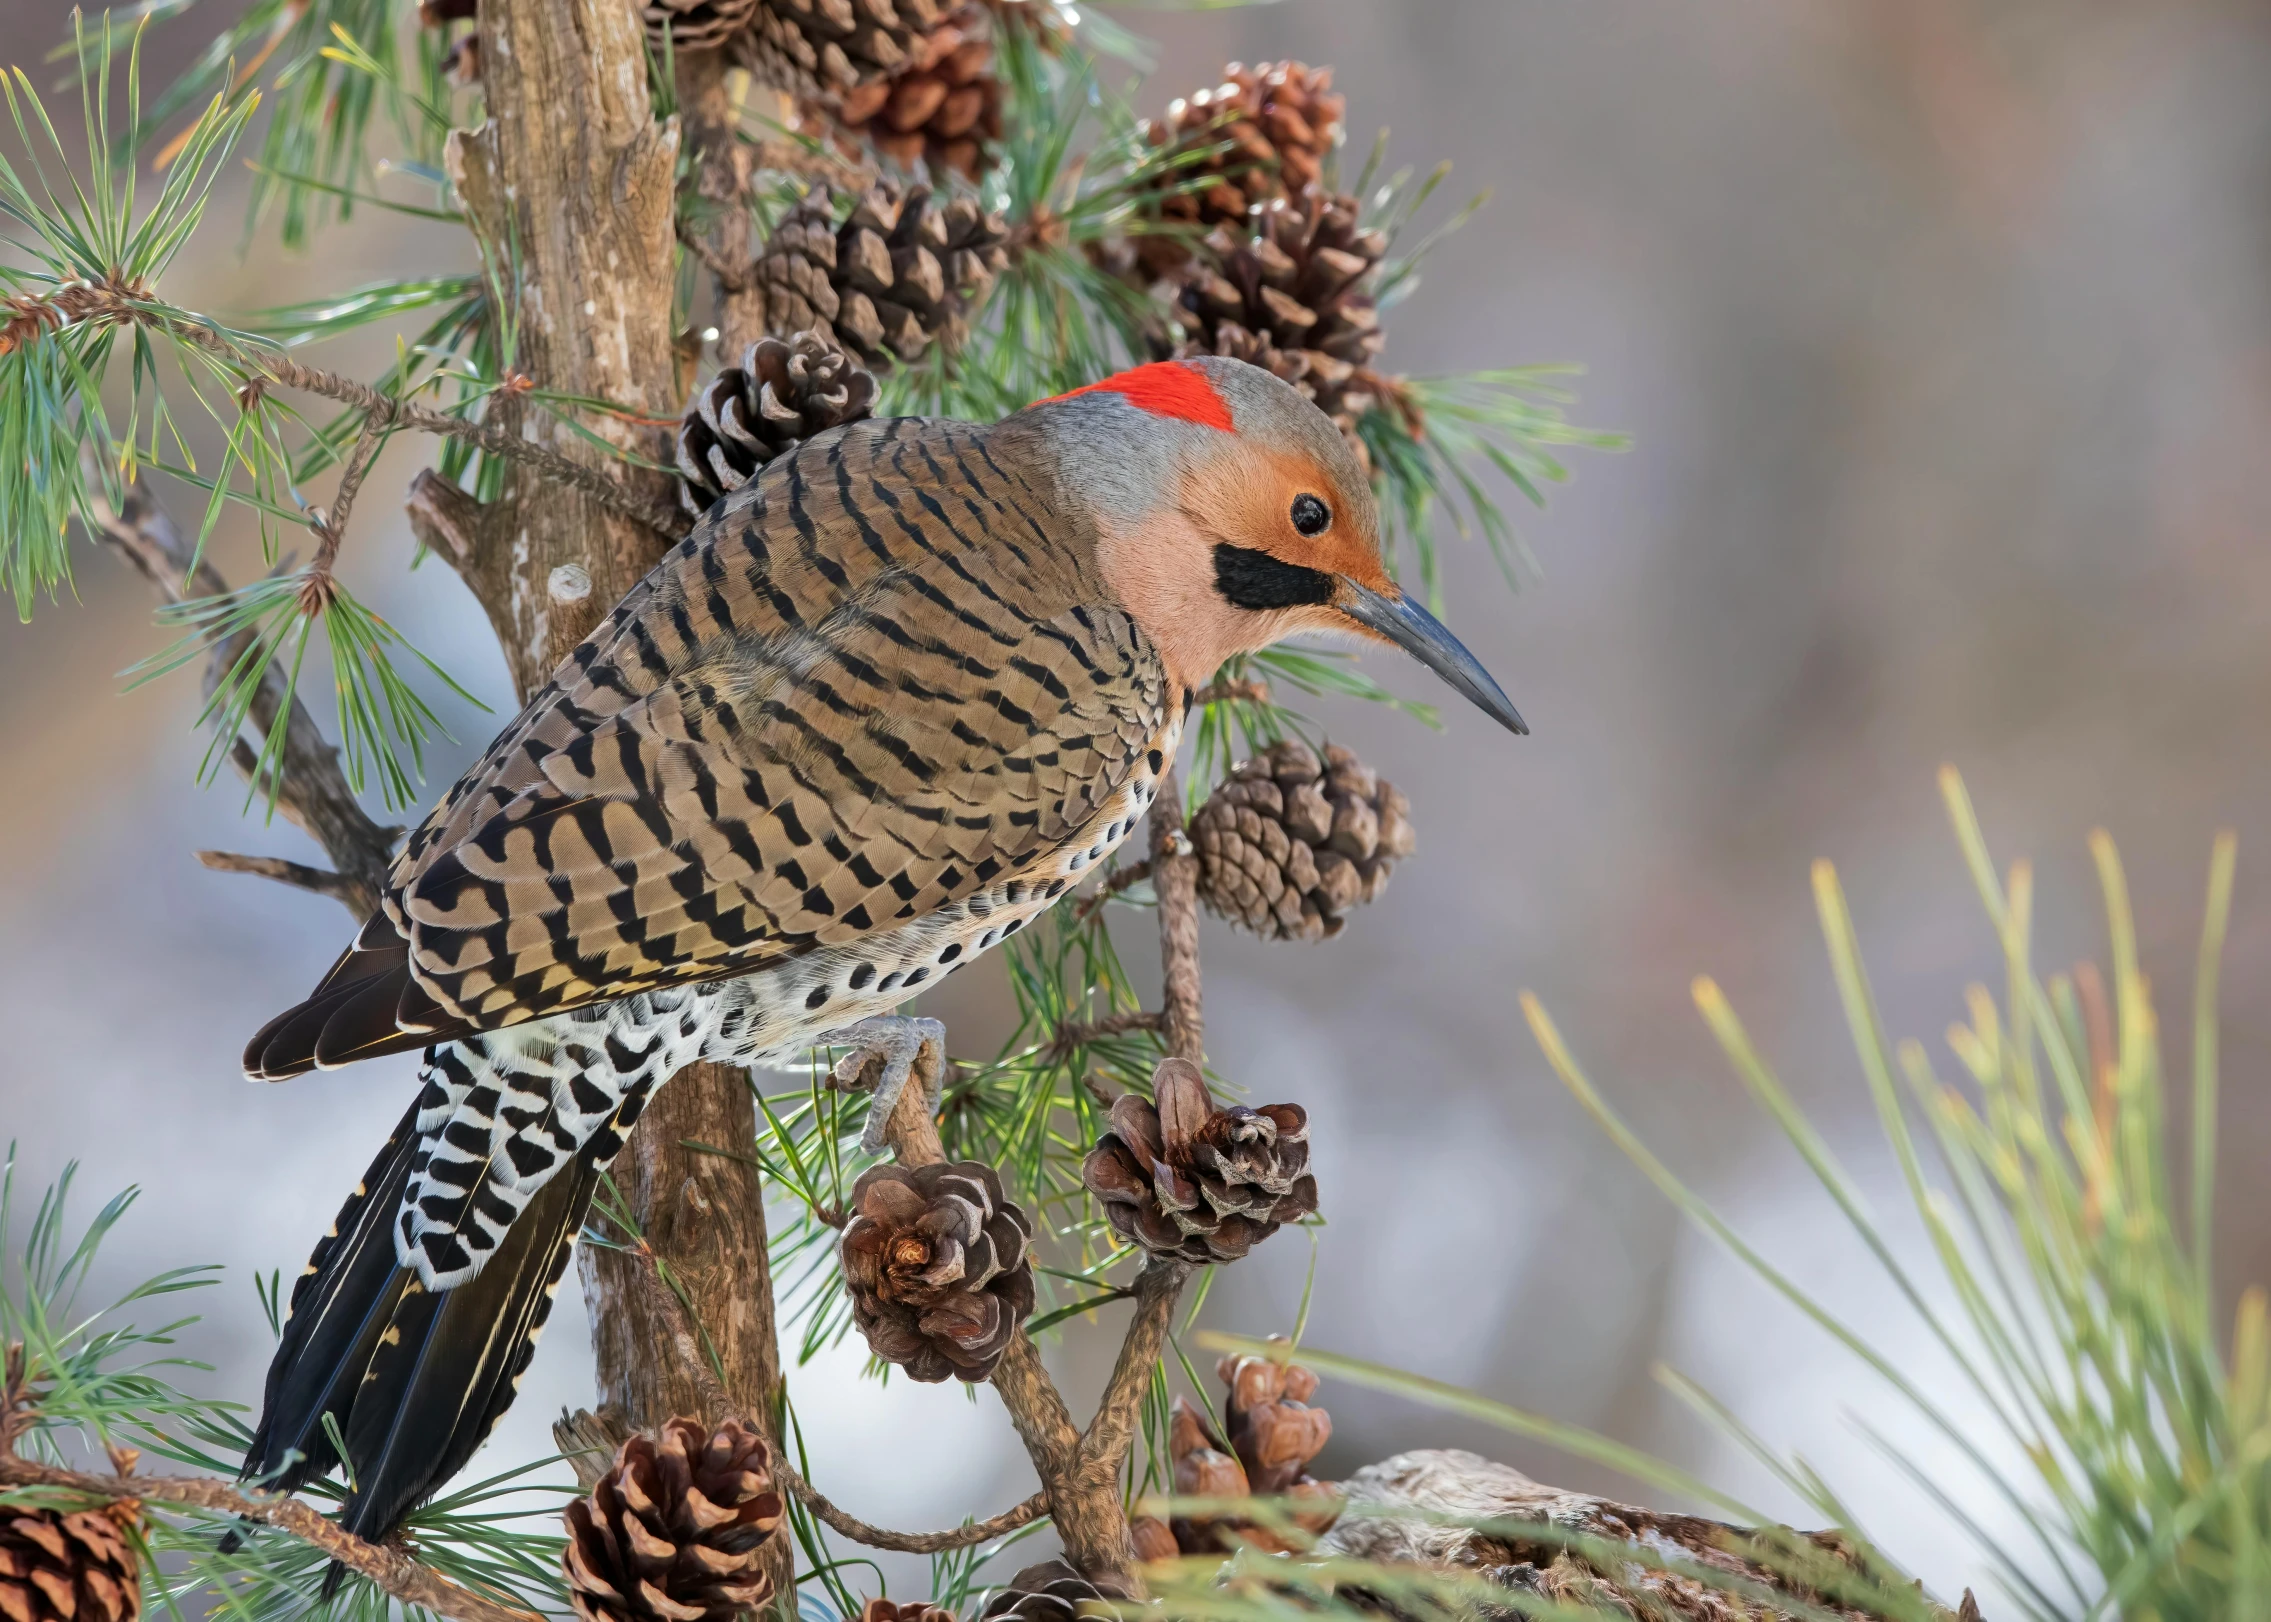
<point x="1311" y="516"/>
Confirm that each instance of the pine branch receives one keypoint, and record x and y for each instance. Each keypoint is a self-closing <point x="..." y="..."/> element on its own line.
<point x="1122" y="878"/>
<point x="1105" y="1446"/>
<point x="311" y="787"/>
<point x="349" y="893"/>
<point x="120" y="303"/>
<point x="1175" y="876"/>
<point x="388" y="1567"/>
<point x="1080" y="1033"/>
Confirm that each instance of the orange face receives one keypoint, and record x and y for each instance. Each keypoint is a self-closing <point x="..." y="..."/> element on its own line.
<point x="1291" y="508"/>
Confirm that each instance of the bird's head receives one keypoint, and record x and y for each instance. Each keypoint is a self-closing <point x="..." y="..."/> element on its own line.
<point x="1231" y="515"/>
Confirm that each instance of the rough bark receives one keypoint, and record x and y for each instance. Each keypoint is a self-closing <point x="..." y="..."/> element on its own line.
<point x="571" y="183"/>
<point x="1453" y="1483"/>
<point x="723" y="224"/>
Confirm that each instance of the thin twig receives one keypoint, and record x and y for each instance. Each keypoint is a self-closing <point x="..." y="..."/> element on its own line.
<point x="1157" y="1287"/>
<point x="349" y="893"/>
<point x="331" y="522"/>
<point x="880" y="1537"/>
<point x="1175" y="877"/>
<point x="1122" y="878"/>
<point x="1245" y="691"/>
<point x="311" y="788"/>
<point x="1081" y="1032"/>
<point x="384" y="1565"/>
<point x="123" y="304"/>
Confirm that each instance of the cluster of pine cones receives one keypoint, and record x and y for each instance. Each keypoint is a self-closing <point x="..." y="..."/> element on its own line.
<point x="1261" y="261"/>
<point x="1271" y="1433"/>
<point x="904" y="270"/>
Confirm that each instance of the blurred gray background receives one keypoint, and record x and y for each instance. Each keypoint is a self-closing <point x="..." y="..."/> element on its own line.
<point x="1943" y="331"/>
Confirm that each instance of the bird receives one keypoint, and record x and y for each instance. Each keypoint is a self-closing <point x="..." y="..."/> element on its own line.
<point x="884" y="705"/>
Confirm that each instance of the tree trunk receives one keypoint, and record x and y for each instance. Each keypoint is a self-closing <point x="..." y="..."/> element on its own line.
<point x="569" y="187"/>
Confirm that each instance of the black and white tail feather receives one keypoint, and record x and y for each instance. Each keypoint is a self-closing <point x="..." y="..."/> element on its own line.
<point x="420" y="1309"/>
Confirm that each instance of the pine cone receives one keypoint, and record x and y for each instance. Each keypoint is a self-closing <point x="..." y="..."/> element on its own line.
<point x="943" y="106"/>
<point x="880" y="1609"/>
<point x="1049" y="1592"/>
<point x="1273" y="1430"/>
<point x="1273" y="1436"/>
<point x="781" y="394"/>
<point x="1183" y="1178"/>
<point x="1288" y="845"/>
<point x="695" y="25"/>
<point x="935" y="1258"/>
<point x="462" y="64"/>
<point x="672" y="1531"/>
<point x="816" y="47"/>
<point x="80" y="1567"/>
<point x="1266" y="130"/>
<point x="1290" y="290"/>
<point x="1153" y="1538"/>
<point x="904" y="271"/>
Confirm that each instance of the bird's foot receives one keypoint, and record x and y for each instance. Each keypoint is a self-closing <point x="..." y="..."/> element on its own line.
<point x="890" y="1044"/>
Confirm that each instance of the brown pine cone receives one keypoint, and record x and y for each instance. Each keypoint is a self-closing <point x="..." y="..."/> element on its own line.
<point x="1290" y="290"/>
<point x="1184" y="1178"/>
<point x="1273" y="1436"/>
<point x="943" y="106"/>
<point x="1049" y="1592"/>
<point x="1153" y="1538"/>
<point x="673" y="1530"/>
<point x="904" y="271"/>
<point x="695" y="25"/>
<point x="817" y="47"/>
<point x="1273" y="1430"/>
<point x="880" y="1609"/>
<point x="781" y="394"/>
<point x="1269" y="129"/>
<point x="79" y="1567"/>
<point x="935" y="1259"/>
<point x="1289" y="845"/>
<point x="462" y="64"/>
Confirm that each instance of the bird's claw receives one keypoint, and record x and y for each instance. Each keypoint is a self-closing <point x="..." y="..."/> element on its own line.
<point x="897" y="1041"/>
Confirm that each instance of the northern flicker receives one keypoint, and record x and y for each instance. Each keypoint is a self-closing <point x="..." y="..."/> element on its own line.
<point x="887" y="702"/>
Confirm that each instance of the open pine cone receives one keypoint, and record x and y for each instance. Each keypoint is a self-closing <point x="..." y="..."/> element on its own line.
<point x="880" y="1609"/>
<point x="781" y="394"/>
<point x="1290" y="290"/>
<point x="1049" y="1592"/>
<point x="903" y="272"/>
<point x="943" y="106"/>
<point x="1273" y="1434"/>
<point x="1184" y="1178"/>
<point x="672" y="1531"/>
<point x="935" y="1259"/>
<point x="695" y="25"/>
<point x="79" y="1567"/>
<point x="1289" y="844"/>
<point x="815" y="47"/>
<point x="1266" y="130"/>
<point x="1273" y="1430"/>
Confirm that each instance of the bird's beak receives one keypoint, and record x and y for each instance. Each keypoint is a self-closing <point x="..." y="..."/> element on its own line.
<point x="1423" y="636"/>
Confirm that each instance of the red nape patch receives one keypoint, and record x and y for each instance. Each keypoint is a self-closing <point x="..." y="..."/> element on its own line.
<point x="1165" y="388"/>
